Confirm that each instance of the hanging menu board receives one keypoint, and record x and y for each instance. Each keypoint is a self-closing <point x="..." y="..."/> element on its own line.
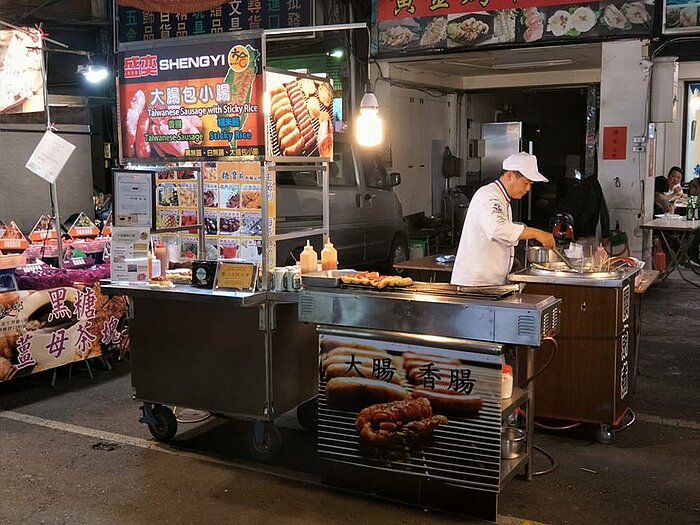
<point x="191" y="101"/>
<point x="300" y="122"/>
<point x="232" y="200"/>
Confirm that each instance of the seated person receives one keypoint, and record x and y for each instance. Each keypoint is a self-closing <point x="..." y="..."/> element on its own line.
<point x="675" y="178"/>
<point x="662" y="203"/>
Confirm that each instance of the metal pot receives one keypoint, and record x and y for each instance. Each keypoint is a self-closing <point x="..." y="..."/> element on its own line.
<point x="541" y="255"/>
<point x="512" y="442"/>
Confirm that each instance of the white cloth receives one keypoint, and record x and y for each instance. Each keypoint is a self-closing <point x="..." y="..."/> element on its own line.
<point x="489" y="236"/>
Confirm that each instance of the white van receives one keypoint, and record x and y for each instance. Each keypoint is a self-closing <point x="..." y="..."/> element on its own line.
<point x="366" y="220"/>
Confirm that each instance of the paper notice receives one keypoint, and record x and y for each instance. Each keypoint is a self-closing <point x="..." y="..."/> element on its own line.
<point x="50" y="156"/>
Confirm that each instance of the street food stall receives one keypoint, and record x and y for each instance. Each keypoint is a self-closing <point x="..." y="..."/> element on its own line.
<point x="411" y="403"/>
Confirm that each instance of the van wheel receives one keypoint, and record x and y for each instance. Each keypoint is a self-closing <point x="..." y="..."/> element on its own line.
<point x="399" y="251"/>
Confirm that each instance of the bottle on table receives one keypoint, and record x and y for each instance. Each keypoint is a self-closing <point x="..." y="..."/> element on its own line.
<point x="308" y="259"/>
<point x="329" y="257"/>
<point x="690" y="209"/>
<point x="161" y="253"/>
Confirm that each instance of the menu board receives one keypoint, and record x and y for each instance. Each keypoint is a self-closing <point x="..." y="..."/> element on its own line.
<point x="12" y="238"/>
<point x="300" y="122"/>
<point x="416" y="27"/>
<point x="232" y="200"/>
<point x="681" y="16"/>
<point x="83" y="227"/>
<point x="21" y="73"/>
<point x="191" y="101"/>
<point x="129" y="254"/>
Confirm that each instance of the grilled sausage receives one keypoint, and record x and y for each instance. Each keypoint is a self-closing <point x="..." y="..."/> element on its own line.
<point x="449" y="402"/>
<point x="355" y="393"/>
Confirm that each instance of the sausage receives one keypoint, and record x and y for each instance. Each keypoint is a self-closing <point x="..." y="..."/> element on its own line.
<point x="452" y="403"/>
<point x="344" y="370"/>
<point x="409" y="356"/>
<point x="288" y="135"/>
<point x="355" y="393"/>
<point x="359" y="352"/>
<point x="280" y="109"/>
<point x="295" y="149"/>
<point x="143" y="148"/>
<point x="133" y="114"/>
<point x="328" y="345"/>
<point x="363" y="360"/>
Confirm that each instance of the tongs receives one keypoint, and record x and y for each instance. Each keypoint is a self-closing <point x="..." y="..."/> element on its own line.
<point x="566" y="260"/>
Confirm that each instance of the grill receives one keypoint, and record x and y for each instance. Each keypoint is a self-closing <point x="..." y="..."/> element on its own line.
<point x="464" y="452"/>
<point x="444" y="289"/>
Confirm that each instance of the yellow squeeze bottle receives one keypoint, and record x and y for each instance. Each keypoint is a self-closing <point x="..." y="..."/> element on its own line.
<point x="329" y="257"/>
<point x="308" y="259"/>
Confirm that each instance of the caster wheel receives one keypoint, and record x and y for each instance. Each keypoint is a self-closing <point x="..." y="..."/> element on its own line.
<point x="307" y="415"/>
<point x="605" y="434"/>
<point x="165" y="426"/>
<point x="264" y="441"/>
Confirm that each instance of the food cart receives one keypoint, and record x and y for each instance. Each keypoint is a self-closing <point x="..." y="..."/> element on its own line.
<point x="435" y="341"/>
<point x="592" y="378"/>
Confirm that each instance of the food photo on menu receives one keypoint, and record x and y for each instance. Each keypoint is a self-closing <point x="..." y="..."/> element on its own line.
<point x="576" y="21"/>
<point x="469" y="29"/>
<point x="625" y="17"/>
<point x="230" y="196"/>
<point x="301" y="116"/>
<point x="388" y="405"/>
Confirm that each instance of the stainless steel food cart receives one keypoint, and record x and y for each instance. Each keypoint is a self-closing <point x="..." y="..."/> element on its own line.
<point x="235" y="354"/>
<point x="591" y="379"/>
<point x="460" y="466"/>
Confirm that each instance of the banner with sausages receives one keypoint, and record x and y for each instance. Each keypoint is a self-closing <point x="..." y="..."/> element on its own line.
<point x="191" y="101"/>
<point x="415" y="27"/>
<point x="300" y="116"/>
<point x="41" y="330"/>
<point x="429" y="414"/>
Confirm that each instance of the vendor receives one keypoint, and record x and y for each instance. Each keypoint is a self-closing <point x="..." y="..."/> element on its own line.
<point x="489" y="236"/>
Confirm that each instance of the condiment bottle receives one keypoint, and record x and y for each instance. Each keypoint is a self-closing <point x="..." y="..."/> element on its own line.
<point x="162" y="255"/>
<point x="308" y="259"/>
<point x="506" y="381"/>
<point x="329" y="257"/>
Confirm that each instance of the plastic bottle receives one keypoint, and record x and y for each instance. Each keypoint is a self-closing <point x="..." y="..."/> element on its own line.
<point x="161" y="253"/>
<point x="308" y="259"/>
<point x="329" y="257"/>
<point x="506" y="381"/>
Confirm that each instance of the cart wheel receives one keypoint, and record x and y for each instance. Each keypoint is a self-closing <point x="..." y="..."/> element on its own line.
<point x="264" y="441"/>
<point x="165" y="426"/>
<point x="605" y="434"/>
<point x="307" y="415"/>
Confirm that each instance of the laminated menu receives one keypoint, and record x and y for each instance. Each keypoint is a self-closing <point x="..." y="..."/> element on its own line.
<point x="12" y="238"/>
<point x="83" y="227"/>
<point x="44" y="229"/>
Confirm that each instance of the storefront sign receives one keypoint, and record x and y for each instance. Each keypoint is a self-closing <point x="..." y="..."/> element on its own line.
<point x="417" y="27"/>
<point x="191" y="101"/>
<point x="21" y="74"/>
<point x="300" y="121"/>
<point x="681" y="16"/>
<point x="79" y="321"/>
<point x="615" y="143"/>
<point x="135" y="24"/>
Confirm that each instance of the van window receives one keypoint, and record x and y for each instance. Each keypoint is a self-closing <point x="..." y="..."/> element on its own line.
<point x="341" y="171"/>
<point x="375" y="172"/>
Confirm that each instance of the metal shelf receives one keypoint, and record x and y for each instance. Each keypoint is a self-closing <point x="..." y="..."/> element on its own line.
<point x="510" y="404"/>
<point x="509" y="467"/>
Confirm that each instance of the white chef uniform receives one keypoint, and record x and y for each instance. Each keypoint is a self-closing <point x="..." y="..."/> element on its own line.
<point x="489" y="236"/>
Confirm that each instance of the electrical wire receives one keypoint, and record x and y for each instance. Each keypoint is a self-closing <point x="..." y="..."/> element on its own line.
<point x="565" y="427"/>
<point x="552" y="461"/>
<point x="555" y="347"/>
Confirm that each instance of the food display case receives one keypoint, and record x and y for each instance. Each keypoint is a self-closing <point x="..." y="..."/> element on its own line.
<point x="410" y="405"/>
<point x="591" y="379"/>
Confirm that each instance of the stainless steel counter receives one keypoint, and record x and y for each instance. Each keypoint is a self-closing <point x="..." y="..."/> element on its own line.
<point x="186" y="292"/>
<point x="518" y="319"/>
<point x="570" y="278"/>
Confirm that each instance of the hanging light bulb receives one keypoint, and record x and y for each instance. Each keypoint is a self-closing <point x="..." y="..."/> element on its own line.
<point x="368" y="126"/>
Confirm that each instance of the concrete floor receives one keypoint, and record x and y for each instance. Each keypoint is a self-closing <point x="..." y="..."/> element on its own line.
<point x="76" y="454"/>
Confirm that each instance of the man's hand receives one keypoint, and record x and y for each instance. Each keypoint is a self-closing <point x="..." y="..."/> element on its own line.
<point x="546" y="239"/>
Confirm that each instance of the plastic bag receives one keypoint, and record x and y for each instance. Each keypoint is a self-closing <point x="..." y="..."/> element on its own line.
<point x="450" y="164"/>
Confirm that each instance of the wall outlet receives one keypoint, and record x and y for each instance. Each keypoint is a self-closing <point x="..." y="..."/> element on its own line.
<point x="639" y="140"/>
<point x="639" y="148"/>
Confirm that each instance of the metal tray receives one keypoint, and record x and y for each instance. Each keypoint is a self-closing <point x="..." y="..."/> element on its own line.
<point x="325" y="278"/>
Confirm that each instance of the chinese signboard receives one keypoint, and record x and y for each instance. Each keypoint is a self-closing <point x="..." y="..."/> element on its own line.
<point x="615" y="143"/>
<point x="442" y="423"/>
<point x="191" y="101"/>
<point x="40" y="330"/>
<point x="136" y="25"/>
<point x="424" y="26"/>
<point x="300" y="117"/>
<point x="681" y="16"/>
<point x="21" y="73"/>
